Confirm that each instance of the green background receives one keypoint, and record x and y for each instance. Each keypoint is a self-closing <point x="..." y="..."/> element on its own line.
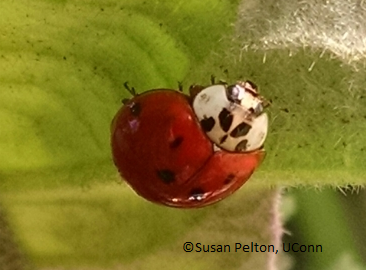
<point x="63" y="65"/>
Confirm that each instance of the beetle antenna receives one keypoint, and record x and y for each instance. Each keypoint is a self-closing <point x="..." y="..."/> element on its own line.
<point x="131" y="90"/>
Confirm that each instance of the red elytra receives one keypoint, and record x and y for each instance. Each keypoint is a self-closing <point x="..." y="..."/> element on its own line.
<point x="161" y="151"/>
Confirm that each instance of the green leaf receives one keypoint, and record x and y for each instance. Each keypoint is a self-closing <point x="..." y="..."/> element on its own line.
<point x="108" y="225"/>
<point x="63" y="67"/>
<point x="11" y="256"/>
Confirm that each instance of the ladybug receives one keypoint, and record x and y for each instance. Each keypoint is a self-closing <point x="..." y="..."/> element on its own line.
<point x="232" y="116"/>
<point x="189" y="151"/>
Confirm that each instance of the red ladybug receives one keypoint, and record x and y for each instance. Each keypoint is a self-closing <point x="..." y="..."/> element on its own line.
<point x="163" y="152"/>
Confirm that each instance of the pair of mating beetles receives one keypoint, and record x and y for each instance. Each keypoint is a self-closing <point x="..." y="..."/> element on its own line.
<point x="190" y="151"/>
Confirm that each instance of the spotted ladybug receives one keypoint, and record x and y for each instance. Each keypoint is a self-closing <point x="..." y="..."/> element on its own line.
<point x="190" y="151"/>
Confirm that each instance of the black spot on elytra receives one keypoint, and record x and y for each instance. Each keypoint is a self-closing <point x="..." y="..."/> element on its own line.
<point x="241" y="130"/>
<point x="196" y="193"/>
<point x="229" y="178"/>
<point x="207" y="124"/>
<point x="135" y="109"/>
<point x="223" y="139"/>
<point x="176" y="142"/>
<point x="251" y="110"/>
<point x="226" y="119"/>
<point x="167" y="176"/>
<point x="242" y="146"/>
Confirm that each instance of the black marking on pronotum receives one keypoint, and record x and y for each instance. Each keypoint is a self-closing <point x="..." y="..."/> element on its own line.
<point x="242" y="146"/>
<point x="135" y="109"/>
<point x="167" y="176"/>
<point x="223" y="139"/>
<point x="240" y="130"/>
<point x="229" y="178"/>
<point x="197" y="194"/>
<point x="176" y="142"/>
<point x="207" y="124"/>
<point x="226" y="119"/>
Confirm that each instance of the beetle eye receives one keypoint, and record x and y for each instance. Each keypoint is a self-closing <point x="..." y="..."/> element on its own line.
<point x="258" y="109"/>
<point x="235" y="93"/>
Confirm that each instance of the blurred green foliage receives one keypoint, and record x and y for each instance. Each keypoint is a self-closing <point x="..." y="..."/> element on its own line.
<point x="63" y="65"/>
<point x="331" y="218"/>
